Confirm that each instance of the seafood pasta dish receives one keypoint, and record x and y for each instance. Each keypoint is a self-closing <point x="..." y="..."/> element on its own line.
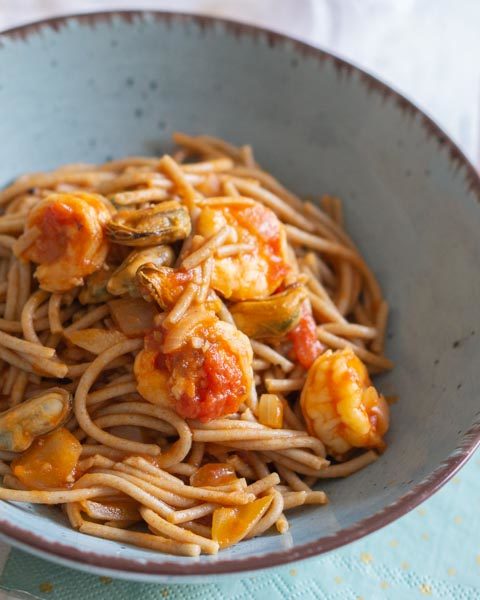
<point x="186" y="348"/>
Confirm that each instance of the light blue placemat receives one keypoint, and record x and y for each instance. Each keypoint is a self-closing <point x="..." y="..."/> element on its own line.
<point x="434" y="552"/>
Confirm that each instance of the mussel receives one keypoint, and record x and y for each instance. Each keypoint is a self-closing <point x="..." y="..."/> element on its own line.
<point x="162" y="284"/>
<point x="270" y="317"/>
<point x="94" y="290"/>
<point x="21" y="424"/>
<point x="164" y="223"/>
<point x="123" y="281"/>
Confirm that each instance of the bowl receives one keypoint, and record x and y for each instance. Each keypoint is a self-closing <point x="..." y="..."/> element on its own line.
<point x="93" y="87"/>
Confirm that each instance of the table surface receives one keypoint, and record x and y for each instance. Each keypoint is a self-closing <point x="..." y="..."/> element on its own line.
<point x="427" y="50"/>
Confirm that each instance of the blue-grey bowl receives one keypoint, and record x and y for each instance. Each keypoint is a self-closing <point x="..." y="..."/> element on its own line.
<point x="94" y="87"/>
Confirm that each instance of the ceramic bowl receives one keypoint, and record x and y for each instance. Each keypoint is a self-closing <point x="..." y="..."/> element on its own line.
<point x="94" y="87"/>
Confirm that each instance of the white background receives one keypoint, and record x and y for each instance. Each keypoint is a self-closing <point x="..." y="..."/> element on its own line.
<point x="427" y="49"/>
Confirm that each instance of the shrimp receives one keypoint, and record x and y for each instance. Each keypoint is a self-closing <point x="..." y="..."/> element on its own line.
<point x="260" y="268"/>
<point x="69" y="243"/>
<point x="208" y="373"/>
<point x="341" y="407"/>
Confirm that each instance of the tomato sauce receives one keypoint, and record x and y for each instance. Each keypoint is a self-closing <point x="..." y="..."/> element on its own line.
<point x="50" y="462"/>
<point x="213" y="381"/>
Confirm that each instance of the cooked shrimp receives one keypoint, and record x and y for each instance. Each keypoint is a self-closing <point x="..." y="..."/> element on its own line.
<point x="340" y="405"/>
<point x="255" y="272"/>
<point x="69" y="242"/>
<point x="207" y="375"/>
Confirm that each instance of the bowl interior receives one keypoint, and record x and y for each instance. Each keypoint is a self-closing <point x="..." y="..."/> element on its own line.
<point x="89" y="90"/>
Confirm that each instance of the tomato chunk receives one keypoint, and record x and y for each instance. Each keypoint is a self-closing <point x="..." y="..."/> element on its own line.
<point x="213" y="474"/>
<point x="50" y="461"/>
<point x="306" y="346"/>
<point x="216" y="382"/>
<point x="230" y="525"/>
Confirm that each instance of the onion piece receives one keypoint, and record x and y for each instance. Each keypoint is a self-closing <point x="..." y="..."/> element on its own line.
<point x="95" y="340"/>
<point x="133" y="316"/>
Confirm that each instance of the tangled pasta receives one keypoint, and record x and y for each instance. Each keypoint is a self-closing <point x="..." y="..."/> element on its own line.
<point x="185" y="348"/>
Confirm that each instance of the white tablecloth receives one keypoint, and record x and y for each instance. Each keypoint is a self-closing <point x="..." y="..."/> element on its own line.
<point x="427" y="49"/>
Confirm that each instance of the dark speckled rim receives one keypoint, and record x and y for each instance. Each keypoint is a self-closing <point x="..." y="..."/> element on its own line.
<point x="152" y="570"/>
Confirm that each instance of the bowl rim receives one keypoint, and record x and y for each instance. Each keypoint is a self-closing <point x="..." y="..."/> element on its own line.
<point x="160" y="571"/>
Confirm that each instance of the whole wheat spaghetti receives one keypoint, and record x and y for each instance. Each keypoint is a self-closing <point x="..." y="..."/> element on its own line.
<point x="184" y="345"/>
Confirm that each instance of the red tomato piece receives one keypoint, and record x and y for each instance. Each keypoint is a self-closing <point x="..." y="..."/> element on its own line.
<point x="304" y="338"/>
<point x="217" y="383"/>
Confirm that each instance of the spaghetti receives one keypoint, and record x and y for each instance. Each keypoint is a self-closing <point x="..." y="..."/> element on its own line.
<point x="185" y="348"/>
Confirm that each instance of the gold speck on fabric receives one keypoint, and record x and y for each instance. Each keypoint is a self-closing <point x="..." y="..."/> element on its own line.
<point x="366" y="558"/>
